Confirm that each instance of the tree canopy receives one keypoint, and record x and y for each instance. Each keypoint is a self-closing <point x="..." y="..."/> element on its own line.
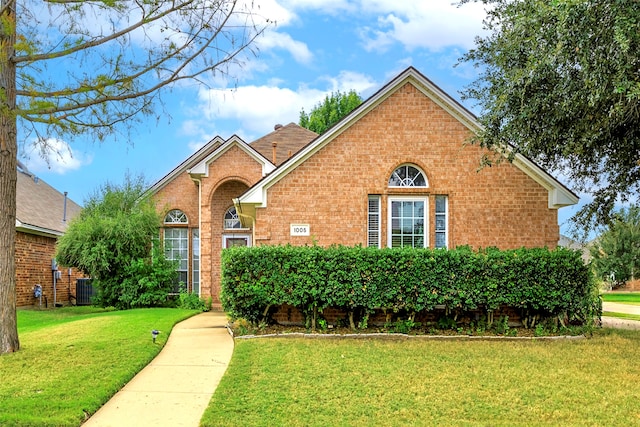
<point x="70" y="68"/>
<point x="111" y="240"/>
<point x="330" y="111"/>
<point x="560" y="83"/>
<point x="616" y="252"/>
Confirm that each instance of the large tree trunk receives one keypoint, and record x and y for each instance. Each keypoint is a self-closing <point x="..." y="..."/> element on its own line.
<point x="8" y="176"/>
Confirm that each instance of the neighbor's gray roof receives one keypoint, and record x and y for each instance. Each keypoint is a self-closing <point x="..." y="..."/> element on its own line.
<point x="40" y="207"/>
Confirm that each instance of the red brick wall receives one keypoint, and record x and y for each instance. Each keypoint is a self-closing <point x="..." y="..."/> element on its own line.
<point x="33" y="266"/>
<point x="228" y="177"/>
<point x="497" y="206"/>
<point x="220" y="202"/>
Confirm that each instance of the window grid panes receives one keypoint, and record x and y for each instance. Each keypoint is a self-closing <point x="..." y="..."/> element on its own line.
<point x="407" y="222"/>
<point x="441" y="222"/>
<point x="231" y="219"/>
<point x="176" y="248"/>
<point x="195" y="261"/>
<point x="373" y="236"/>
<point x="175" y="216"/>
<point x="407" y="176"/>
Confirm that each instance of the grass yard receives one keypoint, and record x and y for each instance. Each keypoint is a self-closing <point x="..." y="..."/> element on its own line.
<point x="622" y="297"/>
<point x="621" y="315"/>
<point x="365" y="382"/>
<point x="72" y="360"/>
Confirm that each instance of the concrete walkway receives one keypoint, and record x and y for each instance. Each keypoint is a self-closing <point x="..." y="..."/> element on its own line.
<point x="614" y="322"/>
<point x="175" y="388"/>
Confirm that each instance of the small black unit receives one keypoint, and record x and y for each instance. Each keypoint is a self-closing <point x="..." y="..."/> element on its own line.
<point x="84" y="291"/>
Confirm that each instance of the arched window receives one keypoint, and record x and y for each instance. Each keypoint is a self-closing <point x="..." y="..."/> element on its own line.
<point x="407" y="176"/>
<point x="231" y="219"/>
<point x="175" y="216"/>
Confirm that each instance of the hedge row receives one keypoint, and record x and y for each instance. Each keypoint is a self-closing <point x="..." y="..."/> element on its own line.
<point x="539" y="282"/>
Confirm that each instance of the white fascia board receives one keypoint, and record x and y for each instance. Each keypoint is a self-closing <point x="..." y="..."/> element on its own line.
<point x="202" y="169"/>
<point x="182" y="167"/>
<point x="40" y="231"/>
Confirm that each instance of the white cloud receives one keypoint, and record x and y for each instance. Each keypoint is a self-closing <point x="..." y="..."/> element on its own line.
<point x="255" y="110"/>
<point x="298" y="50"/>
<point x="433" y="25"/>
<point x="52" y="155"/>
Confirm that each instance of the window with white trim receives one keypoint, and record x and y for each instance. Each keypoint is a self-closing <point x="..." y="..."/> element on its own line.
<point x="175" y="216"/>
<point x="176" y="245"/>
<point x="176" y="248"/>
<point x="408" y="176"/>
<point x="373" y="228"/>
<point x="407" y="222"/>
<point x="442" y="221"/>
<point x="231" y="219"/>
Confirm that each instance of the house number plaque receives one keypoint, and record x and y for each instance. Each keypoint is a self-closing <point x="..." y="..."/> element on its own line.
<point x="300" y="230"/>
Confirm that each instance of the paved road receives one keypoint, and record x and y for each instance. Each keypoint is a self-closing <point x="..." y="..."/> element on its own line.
<point x="614" y="322"/>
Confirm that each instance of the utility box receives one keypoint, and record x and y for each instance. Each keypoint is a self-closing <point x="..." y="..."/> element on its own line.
<point x="84" y="291"/>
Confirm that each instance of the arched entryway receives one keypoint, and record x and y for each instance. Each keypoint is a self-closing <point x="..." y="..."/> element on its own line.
<point x="226" y="228"/>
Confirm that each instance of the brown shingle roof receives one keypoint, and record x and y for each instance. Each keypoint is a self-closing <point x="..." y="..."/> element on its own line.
<point x="290" y="139"/>
<point x="40" y="207"/>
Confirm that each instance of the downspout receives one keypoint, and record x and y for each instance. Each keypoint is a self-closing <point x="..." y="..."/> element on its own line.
<point x="64" y="209"/>
<point x="198" y="181"/>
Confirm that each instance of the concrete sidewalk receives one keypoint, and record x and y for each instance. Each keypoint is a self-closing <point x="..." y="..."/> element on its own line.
<point x="175" y="388"/>
<point x="614" y="322"/>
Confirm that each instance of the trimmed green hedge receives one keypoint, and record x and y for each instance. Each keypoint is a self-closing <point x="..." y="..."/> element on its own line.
<point x="540" y="283"/>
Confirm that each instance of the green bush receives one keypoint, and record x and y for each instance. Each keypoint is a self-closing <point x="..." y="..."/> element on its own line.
<point x="192" y="301"/>
<point x="540" y="283"/>
<point x="143" y="283"/>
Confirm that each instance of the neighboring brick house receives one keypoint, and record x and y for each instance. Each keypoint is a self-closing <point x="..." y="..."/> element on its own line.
<point x="42" y="215"/>
<point x="397" y="171"/>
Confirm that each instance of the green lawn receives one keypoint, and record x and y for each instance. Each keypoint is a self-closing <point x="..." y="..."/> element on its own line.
<point x="74" y="359"/>
<point x="365" y="382"/>
<point x="622" y="297"/>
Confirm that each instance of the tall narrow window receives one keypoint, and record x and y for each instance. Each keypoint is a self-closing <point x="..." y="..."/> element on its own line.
<point x="407" y="222"/>
<point x="176" y="244"/>
<point x="373" y="237"/>
<point x="441" y="222"/>
<point x="176" y="248"/>
<point x="195" y="261"/>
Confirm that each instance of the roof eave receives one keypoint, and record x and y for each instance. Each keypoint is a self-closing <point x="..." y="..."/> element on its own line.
<point x="40" y="231"/>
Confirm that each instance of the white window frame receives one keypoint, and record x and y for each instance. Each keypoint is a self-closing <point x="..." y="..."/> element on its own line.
<point x="406" y="182"/>
<point x="176" y="216"/>
<point x="373" y="229"/>
<point x="171" y="251"/>
<point x="425" y="217"/>
<point x="445" y="216"/>
<point x="236" y="224"/>
<point x="226" y="237"/>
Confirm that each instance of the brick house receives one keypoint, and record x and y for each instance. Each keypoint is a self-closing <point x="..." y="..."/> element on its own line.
<point x="42" y="215"/>
<point x="397" y="171"/>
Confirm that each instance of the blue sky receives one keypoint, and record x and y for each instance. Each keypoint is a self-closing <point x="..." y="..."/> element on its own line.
<point x="317" y="46"/>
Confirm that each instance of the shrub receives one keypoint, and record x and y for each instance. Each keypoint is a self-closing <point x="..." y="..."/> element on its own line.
<point x="192" y="301"/>
<point x="538" y="282"/>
